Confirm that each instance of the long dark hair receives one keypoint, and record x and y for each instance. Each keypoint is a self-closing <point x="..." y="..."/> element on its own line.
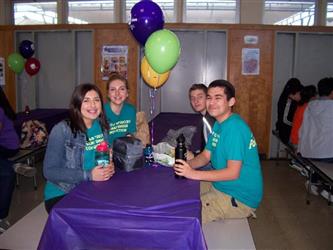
<point x="307" y="93"/>
<point x="75" y="116"/>
<point x="5" y="105"/>
<point x="292" y="86"/>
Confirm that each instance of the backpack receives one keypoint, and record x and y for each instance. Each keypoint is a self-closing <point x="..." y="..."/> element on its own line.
<point x="33" y="134"/>
<point x="127" y="153"/>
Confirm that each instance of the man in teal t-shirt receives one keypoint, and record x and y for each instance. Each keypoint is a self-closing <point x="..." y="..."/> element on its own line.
<point x="237" y="185"/>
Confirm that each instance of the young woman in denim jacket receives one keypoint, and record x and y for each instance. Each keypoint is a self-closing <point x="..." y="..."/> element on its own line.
<point x="70" y="153"/>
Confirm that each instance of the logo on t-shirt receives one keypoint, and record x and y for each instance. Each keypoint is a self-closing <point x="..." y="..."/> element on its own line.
<point x="119" y="127"/>
<point x="253" y="142"/>
<point x="215" y="139"/>
<point x="93" y="142"/>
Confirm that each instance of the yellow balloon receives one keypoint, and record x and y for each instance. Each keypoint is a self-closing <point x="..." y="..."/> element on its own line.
<point x="153" y="79"/>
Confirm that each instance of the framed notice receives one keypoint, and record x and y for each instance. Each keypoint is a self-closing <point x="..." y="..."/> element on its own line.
<point x="114" y="59"/>
<point x="2" y="71"/>
<point x="250" y="61"/>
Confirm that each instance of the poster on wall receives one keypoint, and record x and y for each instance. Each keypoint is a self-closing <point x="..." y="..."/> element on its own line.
<point x="2" y="71"/>
<point x="250" y="61"/>
<point x="114" y="59"/>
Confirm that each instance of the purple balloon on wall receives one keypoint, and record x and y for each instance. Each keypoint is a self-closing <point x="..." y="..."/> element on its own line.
<point x="146" y="18"/>
<point x="27" y="48"/>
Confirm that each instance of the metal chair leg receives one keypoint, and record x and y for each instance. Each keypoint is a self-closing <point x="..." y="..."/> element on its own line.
<point x="309" y="189"/>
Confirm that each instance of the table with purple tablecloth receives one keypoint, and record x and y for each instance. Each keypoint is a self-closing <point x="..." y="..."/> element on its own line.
<point x="144" y="209"/>
<point x="48" y="116"/>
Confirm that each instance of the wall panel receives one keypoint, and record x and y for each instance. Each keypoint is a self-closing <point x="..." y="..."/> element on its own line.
<point x="254" y="92"/>
<point x="118" y="36"/>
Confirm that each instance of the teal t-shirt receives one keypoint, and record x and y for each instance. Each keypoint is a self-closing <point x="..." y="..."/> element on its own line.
<point x="95" y="136"/>
<point x="121" y="124"/>
<point x="233" y="140"/>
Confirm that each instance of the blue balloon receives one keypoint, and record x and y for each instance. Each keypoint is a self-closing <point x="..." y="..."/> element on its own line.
<point x="27" y="48"/>
<point x="146" y="18"/>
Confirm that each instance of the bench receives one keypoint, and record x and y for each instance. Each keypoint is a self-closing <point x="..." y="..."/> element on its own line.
<point x="289" y="146"/>
<point x="25" y="233"/>
<point x="323" y="169"/>
<point x="28" y="156"/>
<point x="228" y="234"/>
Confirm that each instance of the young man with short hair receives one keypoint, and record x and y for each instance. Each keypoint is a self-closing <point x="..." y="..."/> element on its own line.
<point x="197" y="94"/>
<point x="236" y="180"/>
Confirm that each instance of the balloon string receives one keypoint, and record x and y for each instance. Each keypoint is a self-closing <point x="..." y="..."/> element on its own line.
<point x="152" y="95"/>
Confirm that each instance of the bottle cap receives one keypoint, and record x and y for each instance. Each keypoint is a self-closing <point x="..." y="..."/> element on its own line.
<point x="181" y="138"/>
<point x="103" y="146"/>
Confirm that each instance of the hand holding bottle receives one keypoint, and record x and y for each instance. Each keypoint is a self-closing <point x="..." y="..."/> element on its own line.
<point x="102" y="173"/>
<point x="105" y="167"/>
<point x="183" y="169"/>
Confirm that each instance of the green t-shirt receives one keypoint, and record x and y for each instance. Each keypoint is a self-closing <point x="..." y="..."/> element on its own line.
<point x="121" y="124"/>
<point x="233" y="140"/>
<point x="95" y="136"/>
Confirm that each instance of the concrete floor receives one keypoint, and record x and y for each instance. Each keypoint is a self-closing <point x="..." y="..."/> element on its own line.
<point x="284" y="220"/>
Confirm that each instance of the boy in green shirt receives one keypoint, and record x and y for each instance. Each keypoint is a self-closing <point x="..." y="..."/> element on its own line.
<point x="236" y="181"/>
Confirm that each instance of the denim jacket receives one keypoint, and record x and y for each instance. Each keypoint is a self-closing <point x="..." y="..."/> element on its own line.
<point x="64" y="157"/>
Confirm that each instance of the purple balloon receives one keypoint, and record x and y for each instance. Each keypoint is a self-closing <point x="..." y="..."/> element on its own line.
<point x="27" y="48"/>
<point x="146" y="18"/>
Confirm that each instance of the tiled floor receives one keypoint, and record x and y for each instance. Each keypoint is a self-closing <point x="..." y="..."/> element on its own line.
<point x="284" y="220"/>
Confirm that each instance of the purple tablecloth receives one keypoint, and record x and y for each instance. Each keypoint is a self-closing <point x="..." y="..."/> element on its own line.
<point x="143" y="209"/>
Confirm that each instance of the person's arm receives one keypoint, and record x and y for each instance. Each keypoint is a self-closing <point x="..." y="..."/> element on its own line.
<point x="231" y="172"/>
<point x="54" y="165"/>
<point x="200" y="160"/>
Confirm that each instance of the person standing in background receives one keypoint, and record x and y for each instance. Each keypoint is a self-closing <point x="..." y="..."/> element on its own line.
<point x="9" y="146"/>
<point x="287" y="105"/>
<point x="120" y="114"/>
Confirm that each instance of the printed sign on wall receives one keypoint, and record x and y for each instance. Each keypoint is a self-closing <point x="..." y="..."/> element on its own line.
<point x="114" y="59"/>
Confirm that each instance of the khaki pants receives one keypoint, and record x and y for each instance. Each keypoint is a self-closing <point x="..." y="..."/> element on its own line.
<point x="217" y="205"/>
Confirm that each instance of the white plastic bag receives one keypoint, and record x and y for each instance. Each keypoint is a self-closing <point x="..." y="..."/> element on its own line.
<point x="164" y="154"/>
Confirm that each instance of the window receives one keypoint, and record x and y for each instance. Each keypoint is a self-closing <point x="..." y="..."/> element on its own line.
<point x="167" y="6"/>
<point x="329" y="15"/>
<point x="294" y="12"/>
<point x="93" y="11"/>
<point x="218" y="11"/>
<point x="43" y="12"/>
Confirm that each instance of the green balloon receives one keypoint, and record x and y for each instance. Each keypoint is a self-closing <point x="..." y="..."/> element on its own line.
<point x="16" y="62"/>
<point x="162" y="50"/>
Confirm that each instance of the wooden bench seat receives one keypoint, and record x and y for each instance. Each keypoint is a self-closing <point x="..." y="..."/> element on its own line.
<point x="228" y="234"/>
